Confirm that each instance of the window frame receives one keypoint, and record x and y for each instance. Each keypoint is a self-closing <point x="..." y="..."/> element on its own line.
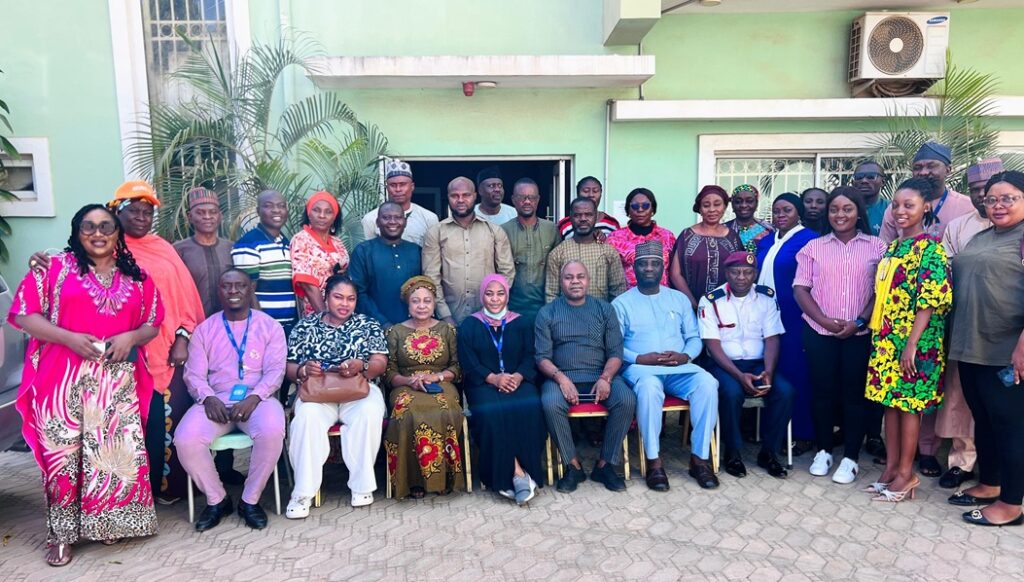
<point x="43" y="206"/>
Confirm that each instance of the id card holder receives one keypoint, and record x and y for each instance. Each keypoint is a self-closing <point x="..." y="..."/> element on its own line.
<point x="238" y="392"/>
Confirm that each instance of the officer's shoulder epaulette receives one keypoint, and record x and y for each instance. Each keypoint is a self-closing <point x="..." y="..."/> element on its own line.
<point x="765" y="290"/>
<point x="716" y="294"/>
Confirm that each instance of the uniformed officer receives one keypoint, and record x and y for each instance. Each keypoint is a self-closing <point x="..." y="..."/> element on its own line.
<point x="740" y="326"/>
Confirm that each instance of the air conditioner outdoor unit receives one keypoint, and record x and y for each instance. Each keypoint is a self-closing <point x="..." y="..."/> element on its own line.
<point x="899" y="45"/>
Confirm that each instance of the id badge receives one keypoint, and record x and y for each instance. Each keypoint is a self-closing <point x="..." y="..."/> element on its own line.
<point x="238" y="392"/>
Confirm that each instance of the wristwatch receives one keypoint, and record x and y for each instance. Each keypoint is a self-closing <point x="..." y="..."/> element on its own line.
<point x="182" y="332"/>
<point x="862" y="323"/>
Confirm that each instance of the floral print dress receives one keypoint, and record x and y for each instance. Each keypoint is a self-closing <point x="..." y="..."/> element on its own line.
<point x="920" y="280"/>
<point x="422" y="440"/>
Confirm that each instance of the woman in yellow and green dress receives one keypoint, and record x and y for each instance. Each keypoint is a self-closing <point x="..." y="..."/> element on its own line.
<point x="913" y="296"/>
<point x="424" y="432"/>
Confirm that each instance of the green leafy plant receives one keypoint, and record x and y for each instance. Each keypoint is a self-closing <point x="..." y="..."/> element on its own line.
<point x="232" y="139"/>
<point x="7" y="148"/>
<point x="965" y="103"/>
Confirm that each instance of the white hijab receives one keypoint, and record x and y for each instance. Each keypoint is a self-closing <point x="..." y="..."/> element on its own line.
<point x="767" y="276"/>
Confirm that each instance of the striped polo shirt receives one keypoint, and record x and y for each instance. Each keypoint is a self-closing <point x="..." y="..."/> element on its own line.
<point x="268" y="262"/>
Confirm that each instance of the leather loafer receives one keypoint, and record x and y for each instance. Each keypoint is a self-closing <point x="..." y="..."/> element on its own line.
<point x="571" y="479"/>
<point x="212" y="515"/>
<point x="657" y="479"/>
<point x="253" y="515"/>
<point x="607" y="476"/>
<point x="703" y="475"/>
<point x="976" y="517"/>
<point x="929" y="466"/>
<point x="735" y="467"/>
<point x="770" y="463"/>
<point x="962" y="499"/>
<point x="954" y="478"/>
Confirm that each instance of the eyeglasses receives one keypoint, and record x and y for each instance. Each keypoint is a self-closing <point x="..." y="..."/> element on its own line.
<point x="1004" y="200"/>
<point x="866" y="176"/>
<point x="106" y="228"/>
<point x="529" y="198"/>
<point x="638" y="206"/>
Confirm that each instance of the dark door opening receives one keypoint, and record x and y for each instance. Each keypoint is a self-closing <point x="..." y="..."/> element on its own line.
<point x="553" y="177"/>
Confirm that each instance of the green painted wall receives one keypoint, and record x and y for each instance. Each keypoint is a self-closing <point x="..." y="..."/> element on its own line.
<point x="59" y="83"/>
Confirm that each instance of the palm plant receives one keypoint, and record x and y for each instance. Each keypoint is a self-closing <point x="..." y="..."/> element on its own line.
<point x="228" y="139"/>
<point x="965" y="100"/>
<point x="8" y="148"/>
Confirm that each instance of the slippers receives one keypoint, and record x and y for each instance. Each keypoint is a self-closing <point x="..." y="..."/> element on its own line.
<point x="58" y="555"/>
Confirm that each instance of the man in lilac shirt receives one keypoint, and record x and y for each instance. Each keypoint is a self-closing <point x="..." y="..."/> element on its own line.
<point x="236" y="362"/>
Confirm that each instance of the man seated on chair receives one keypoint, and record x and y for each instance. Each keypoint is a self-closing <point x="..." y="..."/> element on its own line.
<point x="236" y="362"/>
<point x="661" y="342"/>
<point x="579" y="351"/>
<point x="740" y="325"/>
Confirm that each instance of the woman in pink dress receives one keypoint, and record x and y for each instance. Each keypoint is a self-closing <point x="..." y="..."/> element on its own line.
<point x="641" y="206"/>
<point x="317" y="252"/>
<point x="85" y="390"/>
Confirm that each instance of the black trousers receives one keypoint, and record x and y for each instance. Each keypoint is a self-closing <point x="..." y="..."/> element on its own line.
<point x="838" y="370"/>
<point x="998" y="429"/>
<point x="155" y="434"/>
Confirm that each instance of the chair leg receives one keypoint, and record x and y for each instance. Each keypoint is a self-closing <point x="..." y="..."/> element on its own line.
<point x="714" y="447"/>
<point x="625" y="456"/>
<point x="387" y="481"/>
<point x="558" y="459"/>
<point x="757" y="428"/>
<point x="467" y="454"/>
<point x="686" y="426"/>
<point x="316" y="499"/>
<point x="643" y="456"/>
<point x="551" y="462"/>
<point x="789" y="444"/>
<point x="191" y="502"/>
<point x="277" y="490"/>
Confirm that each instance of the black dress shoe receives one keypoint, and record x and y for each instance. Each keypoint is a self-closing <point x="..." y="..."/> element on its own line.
<point x="570" y="480"/>
<point x="703" y="475"/>
<point x="875" y="447"/>
<point x="929" y="466"/>
<point x="976" y="517"/>
<point x="735" y="467"/>
<point x="770" y="463"/>
<point x="253" y="514"/>
<point x="607" y="476"/>
<point x="212" y="515"/>
<point x="657" y="480"/>
<point x="955" y="477"/>
<point x="961" y="499"/>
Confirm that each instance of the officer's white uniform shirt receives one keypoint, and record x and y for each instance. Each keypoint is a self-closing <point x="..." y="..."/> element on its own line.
<point x="740" y="323"/>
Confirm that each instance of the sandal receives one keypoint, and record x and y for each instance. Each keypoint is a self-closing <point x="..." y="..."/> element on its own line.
<point x="112" y="542"/>
<point x="58" y="555"/>
<point x="417" y="492"/>
<point x="929" y="466"/>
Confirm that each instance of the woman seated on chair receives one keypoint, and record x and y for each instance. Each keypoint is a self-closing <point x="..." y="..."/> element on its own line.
<point x="422" y="439"/>
<point x="342" y="342"/>
<point x="496" y="352"/>
<point x="234" y="370"/>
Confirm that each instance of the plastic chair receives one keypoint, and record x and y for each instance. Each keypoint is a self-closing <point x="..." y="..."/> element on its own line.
<point x="673" y="404"/>
<point x="584" y="410"/>
<point x="234" y="441"/>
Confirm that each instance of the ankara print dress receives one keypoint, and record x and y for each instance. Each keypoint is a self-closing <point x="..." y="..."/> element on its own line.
<point x="83" y="419"/>
<point x="423" y="440"/>
<point x="918" y="279"/>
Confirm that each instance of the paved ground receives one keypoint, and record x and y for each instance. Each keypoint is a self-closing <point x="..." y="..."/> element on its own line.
<point x="756" y="528"/>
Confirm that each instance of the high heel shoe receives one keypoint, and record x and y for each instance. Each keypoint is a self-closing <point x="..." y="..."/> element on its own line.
<point x="891" y="496"/>
<point x="877" y="487"/>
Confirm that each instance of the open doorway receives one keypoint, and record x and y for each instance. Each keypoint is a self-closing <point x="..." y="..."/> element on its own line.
<point x="552" y="174"/>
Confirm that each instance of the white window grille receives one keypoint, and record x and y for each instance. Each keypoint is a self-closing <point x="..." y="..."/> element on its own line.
<point x="203" y="21"/>
<point x="28" y="178"/>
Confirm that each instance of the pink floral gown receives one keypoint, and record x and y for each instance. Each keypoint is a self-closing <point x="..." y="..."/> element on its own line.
<point x="82" y="419"/>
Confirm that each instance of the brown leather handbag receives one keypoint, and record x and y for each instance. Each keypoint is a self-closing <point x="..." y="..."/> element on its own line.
<point x="332" y="388"/>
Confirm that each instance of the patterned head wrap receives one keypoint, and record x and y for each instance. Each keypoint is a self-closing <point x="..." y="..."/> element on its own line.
<point x="417" y="282"/>
<point x="746" y="188"/>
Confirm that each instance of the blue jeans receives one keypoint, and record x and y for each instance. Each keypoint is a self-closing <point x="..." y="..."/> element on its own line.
<point x="777" y="413"/>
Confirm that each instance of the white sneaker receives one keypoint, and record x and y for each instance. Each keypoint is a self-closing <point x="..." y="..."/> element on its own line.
<point x="361" y="499"/>
<point x="298" y="507"/>
<point x="822" y="463"/>
<point x="847" y="471"/>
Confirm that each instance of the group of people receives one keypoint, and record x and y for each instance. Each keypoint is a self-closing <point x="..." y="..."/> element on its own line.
<point x="143" y="353"/>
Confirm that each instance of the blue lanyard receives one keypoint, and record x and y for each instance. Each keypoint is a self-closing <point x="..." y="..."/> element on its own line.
<point x="240" y="350"/>
<point x="498" y="342"/>
<point x="938" y="207"/>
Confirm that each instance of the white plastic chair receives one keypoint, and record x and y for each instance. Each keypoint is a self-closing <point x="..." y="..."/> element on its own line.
<point x="234" y="441"/>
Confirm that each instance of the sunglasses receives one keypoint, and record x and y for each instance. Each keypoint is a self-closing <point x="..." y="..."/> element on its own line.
<point x="638" y="206"/>
<point x="105" y="228"/>
<point x="866" y="176"/>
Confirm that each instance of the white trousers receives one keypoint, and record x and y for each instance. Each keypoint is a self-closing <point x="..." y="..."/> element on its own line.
<point x="309" y="445"/>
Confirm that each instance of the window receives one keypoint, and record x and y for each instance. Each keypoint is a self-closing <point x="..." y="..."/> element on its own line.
<point x="204" y="21"/>
<point x="28" y="178"/>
